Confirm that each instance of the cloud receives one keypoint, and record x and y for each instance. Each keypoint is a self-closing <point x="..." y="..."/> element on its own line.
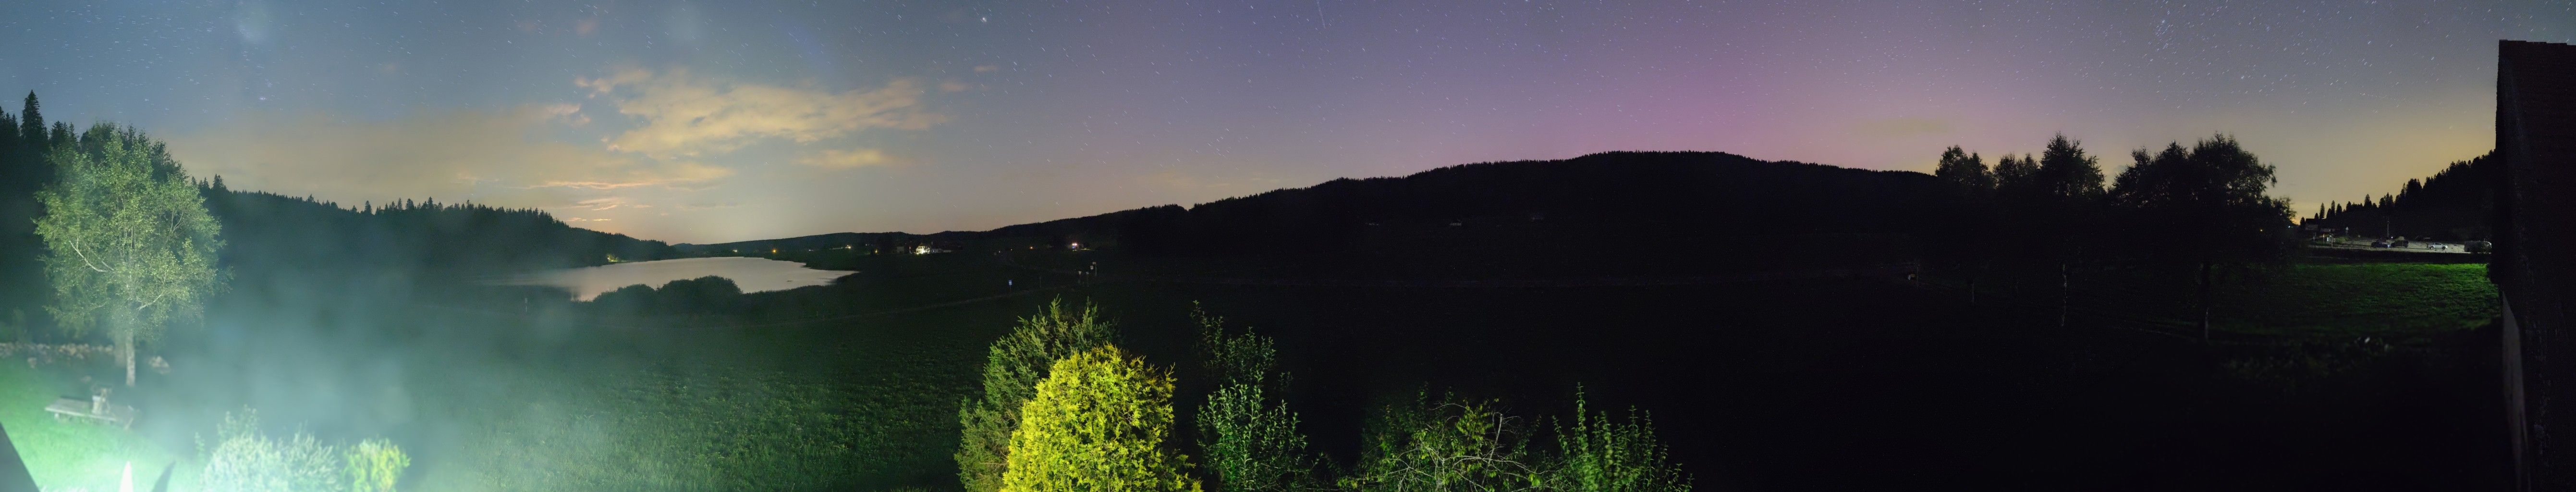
<point x="602" y="203"/>
<point x="709" y="206"/>
<point x="500" y="157"/>
<point x="846" y="159"/>
<point x="678" y="114"/>
<point x="568" y="112"/>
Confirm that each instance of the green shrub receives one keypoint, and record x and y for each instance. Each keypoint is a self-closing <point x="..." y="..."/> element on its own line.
<point x="1097" y="424"/>
<point x="1455" y="445"/>
<point x="375" y="465"/>
<point x="1251" y="443"/>
<point x="244" y="460"/>
<point x="1250" y="440"/>
<point x="1012" y="369"/>
<point x="1604" y="455"/>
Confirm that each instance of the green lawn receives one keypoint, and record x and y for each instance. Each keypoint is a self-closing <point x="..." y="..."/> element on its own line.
<point x="66" y="455"/>
<point x="2361" y="299"/>
<point x="2306" y="300"/>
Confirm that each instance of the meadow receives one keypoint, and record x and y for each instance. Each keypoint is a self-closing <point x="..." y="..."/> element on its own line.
<point x="2310" y="300"/>
<point x="1791" y="385"/>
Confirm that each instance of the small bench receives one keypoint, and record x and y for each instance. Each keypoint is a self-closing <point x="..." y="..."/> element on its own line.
<point x="96" y="410"/>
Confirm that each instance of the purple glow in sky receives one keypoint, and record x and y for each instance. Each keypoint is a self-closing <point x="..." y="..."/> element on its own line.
<point x="723" y="121"/>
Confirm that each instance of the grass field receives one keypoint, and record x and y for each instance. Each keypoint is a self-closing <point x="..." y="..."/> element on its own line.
<point x="1780" y="385"/>
<point x="2335" y="300"/>
<point x="2362" y="298"/>
<point x="67" y="455"/>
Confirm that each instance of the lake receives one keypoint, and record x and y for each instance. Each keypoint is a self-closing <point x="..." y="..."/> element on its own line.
<point x="751" y="274"/>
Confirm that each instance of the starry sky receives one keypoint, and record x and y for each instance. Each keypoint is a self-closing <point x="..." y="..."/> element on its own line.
<point x="703" y="121"/>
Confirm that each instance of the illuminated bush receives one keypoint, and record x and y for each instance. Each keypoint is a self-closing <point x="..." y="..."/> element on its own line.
<point x="1097" y="424"/>
<point x="1012" y="368"/>
<point x="374" y="465"/>
<point x="244" y="460"/>
<point x="1251" y="443"/>
<point x="1604" y="455"/>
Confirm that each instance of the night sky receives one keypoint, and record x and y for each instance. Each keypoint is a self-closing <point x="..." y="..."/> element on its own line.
<point x="722" y="121"/>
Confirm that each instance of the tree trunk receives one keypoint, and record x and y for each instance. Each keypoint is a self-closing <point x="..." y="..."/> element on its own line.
<point x="2064" y="290"/>
<point x="125" y="350"/>
<point x="2204" y="301"/>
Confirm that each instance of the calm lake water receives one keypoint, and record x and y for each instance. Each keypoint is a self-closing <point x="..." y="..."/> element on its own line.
<point x="752" y="274"/>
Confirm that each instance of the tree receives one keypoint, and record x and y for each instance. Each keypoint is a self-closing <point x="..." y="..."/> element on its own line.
<point x="2016" y="176"/>
<point x="1605" y="455"/>
<point x="128" y="249"/>
<point x="1097" y="424"/>
<point x="1013" y="366"/>
<point x="1965" y="170"/>
<point x="22" y="171"/>
<point x="2070" y="182"/>
<point x="1246" y="433"/>
<point x="2205" y="206"/>
<point x="2066" y="172"/>
<point x="31" y="123"/>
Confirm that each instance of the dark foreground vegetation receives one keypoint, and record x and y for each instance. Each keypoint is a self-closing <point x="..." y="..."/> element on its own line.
<point x="1624" y="321"/>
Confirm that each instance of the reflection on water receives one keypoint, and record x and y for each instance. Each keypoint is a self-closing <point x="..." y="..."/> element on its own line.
<point x="752" y="274"/>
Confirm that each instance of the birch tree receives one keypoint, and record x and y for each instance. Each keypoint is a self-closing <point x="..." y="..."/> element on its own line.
<point x="129" y="244"/>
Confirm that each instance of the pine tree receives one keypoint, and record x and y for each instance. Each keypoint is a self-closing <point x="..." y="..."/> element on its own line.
<point x="31" y="123"/>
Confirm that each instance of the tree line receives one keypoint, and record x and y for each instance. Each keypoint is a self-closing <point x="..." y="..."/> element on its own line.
<point x="1063" y="408"/>
<point x="2457" y="203"/>
<point x="103" y="233"/>
<point x="2199" y="209"/>
<point x="417" y="236"/>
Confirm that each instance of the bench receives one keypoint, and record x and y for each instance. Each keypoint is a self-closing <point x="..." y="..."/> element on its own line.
<point x="96" y="410"/>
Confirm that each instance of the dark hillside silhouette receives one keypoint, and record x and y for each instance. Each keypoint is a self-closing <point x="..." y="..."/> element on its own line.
<point x="1640" y="202"/>
<point x="1668" y="197"/>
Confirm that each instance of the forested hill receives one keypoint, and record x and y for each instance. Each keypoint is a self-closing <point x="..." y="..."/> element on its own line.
<point x="271" y="233"/>
<point x="1672" y="198"/>
<point x="1617" y="199"/>
<point x="2456" y="204"/>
